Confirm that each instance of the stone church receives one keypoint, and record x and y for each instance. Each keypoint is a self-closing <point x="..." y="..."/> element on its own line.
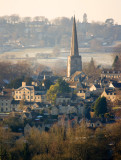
<point x="74" y="62"/>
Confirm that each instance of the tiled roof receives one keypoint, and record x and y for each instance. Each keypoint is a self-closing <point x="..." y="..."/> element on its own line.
<point x="117" y="85"/>
<point x="3" y="97"/>
<point x="109" y="71"/>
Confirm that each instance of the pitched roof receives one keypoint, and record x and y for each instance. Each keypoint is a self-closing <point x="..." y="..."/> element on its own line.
<point x="110" y="91"/>
<point x="2" y="97"/>
<point x="26" y="87"/>
<point x="116" y="85"/>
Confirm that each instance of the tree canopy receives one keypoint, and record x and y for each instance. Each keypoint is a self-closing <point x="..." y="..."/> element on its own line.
<point x="60" y="87"/>
<point x="16" y="83"/>
<point x="100" y="106"/>
<point x="91" y="70"/>
<point x="116" y="63"/>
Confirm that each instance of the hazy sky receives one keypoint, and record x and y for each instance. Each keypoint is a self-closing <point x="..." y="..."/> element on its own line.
<point x="97" y="10"/>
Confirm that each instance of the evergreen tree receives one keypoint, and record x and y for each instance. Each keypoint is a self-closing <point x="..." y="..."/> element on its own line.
<point x="100" y="106"/>
<point x="116" y="62"/>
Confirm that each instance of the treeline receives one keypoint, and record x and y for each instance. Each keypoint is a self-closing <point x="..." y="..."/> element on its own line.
<point x="17" y="32"/>
<point x="12" y="74"/>
<point x="60" y="143"/>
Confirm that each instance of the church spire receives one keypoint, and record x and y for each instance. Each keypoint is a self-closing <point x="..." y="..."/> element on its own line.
<point x="74" y="41"/>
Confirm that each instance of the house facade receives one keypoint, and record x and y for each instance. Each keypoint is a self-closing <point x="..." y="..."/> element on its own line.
<point x="28" y="93"/>
<point x="5" y="104"/>
<point x="112" y="74"/>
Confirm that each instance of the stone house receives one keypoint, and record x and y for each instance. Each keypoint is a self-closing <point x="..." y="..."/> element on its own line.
<point x="83" y="94"/>
<point x="5" y="100"/>
<point x="28" y="93"/>
<point x="115" y="85"/>
<point x="63" y="99"/>
<point x="96" y="89"/>
<point x="109" y="94"/>
<point x="76" y="80"/>
<point x="5" y="104"/>
<point x="109" y="73"/>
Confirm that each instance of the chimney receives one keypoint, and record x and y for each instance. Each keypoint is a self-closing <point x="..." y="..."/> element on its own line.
<point x="23" y="84"/>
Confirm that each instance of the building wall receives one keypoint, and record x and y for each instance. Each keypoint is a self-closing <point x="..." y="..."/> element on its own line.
<point x="83" y="95"/>
<point x="111" y="97"/>
<point x="110" y="75"/>
<point x="74" y="64"/>
<point x="60" y="100"/>
<point x="5" y="105"/>
<point x="27" y="95"/>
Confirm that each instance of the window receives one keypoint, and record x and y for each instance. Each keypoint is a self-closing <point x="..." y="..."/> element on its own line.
<point x="38" y="97"/>
<point x="28" y="97"/>
<point x="6" y="104"/>
<point x="16" y="97"/>
<point x="19" y="97"/>
<point x="31" y="97"/>
<point x="16" y="91"/>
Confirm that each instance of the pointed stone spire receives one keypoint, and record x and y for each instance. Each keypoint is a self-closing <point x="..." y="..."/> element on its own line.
<point x="74" y="41"/>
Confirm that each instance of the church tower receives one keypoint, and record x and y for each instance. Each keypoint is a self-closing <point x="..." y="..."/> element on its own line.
<point x="74" y="62"/>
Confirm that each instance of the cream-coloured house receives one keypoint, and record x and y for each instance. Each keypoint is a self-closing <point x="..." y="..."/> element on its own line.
<point x="96" y="88"/>
<point x="28" y="93"/>
<point x="109" y="95"/>
<point x="83" y="94"/>
<point x="112" y="74"/>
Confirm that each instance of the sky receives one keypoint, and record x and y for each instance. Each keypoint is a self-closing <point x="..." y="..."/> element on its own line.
<point x="96" y="10"/>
